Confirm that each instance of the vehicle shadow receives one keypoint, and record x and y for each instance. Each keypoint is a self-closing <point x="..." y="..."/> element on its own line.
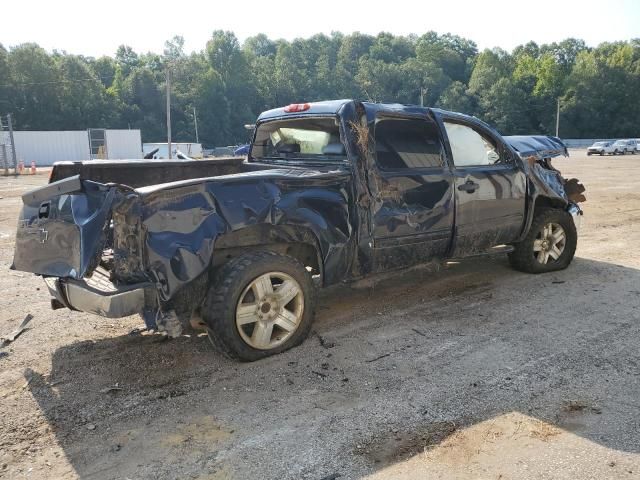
<point x="422" y="353"/>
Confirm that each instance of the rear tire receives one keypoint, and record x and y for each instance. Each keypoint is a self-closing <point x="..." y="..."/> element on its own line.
<point x="260" y="304"/>
<point x="549" y="245"/>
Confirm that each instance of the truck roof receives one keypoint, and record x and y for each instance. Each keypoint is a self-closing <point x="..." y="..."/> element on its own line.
<point x="326" y="107"/>
<point x="333" y="107"/>
<point x="540" y="145"/>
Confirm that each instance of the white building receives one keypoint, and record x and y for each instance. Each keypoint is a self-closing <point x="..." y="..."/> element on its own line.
<point x="47" y="147"/>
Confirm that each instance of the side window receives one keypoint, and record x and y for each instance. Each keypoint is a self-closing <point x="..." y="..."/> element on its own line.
<point x="470" y="148"/>
<point x="407" y="143"/>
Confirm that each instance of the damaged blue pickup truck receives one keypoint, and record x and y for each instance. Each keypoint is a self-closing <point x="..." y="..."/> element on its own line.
<point x="330" y="192"/>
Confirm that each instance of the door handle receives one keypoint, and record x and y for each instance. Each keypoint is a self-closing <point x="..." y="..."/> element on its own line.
<point x="43" y="211"/>
<point x="469" y="186"/>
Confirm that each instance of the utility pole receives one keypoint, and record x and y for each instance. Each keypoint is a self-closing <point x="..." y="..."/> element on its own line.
<point x="558" y="118"/>
<point x="3" y="149"/>
<point x="195" y="121"/>
<point x="169" y="111"/>
<point x="13" y="144"/>
<point x="423" y="92"/>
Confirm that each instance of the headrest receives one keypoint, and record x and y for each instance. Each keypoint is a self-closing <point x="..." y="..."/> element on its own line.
<point x="289" y="148"/>
<point x="334" y="149"/>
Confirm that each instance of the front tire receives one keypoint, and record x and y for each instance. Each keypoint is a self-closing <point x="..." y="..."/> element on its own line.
<point x="549" y="245"/>
<point x="260" y="304"/>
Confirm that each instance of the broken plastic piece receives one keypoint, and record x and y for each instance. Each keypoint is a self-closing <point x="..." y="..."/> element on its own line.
<point x="16" y="333"/>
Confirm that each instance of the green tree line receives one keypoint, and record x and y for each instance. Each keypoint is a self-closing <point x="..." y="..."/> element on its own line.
<point x="229" y="83"/>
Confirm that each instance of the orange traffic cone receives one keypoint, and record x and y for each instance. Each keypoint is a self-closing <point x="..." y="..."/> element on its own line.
<point x="33" y="167"/>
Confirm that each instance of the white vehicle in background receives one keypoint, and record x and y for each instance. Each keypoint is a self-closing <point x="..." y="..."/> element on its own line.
<point x="634" y="145"/>
<point x="601" y="148"/>
<point x="623" y="146"/>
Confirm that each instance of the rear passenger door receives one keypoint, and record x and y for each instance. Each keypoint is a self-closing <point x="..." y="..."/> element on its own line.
<point x="412" y="195"/>
<point x="490" y="189"/>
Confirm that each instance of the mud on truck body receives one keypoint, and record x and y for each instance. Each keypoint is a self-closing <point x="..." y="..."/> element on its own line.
<point x="330" y="192"/>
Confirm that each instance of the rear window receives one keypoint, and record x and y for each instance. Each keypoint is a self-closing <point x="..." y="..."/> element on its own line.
<point x="299" y="139"/>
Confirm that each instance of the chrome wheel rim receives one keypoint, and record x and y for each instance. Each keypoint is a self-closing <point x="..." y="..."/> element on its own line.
<point x="269" y="310"/>
<point x="549" y="243"/>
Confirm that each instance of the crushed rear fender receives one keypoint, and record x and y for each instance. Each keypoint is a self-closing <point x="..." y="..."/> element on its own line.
<point x="183" y="221"/>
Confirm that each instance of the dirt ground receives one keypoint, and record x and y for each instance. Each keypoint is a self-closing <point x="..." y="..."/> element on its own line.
<point x="472" y="372"/>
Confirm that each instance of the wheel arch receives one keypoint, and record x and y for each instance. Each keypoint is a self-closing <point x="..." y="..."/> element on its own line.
<point x="540" y="202"/>
<point x="548" y="202"/>
<point x="296" y="241"/>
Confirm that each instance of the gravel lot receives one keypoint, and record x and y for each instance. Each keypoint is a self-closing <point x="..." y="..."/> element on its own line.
<point x="475" y="371"/>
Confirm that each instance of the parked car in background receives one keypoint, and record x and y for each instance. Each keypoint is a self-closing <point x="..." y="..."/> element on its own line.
<point x="624" y="146"/>
<point x="601" y="148"/>
<point x="634" y="144"/>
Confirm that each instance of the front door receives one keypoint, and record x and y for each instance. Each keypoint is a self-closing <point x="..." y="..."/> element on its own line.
<point x="490" y="189"/>
<point x="412" y="195"/>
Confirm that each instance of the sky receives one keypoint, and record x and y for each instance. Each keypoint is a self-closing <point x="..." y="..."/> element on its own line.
<point x="97" y="28"/>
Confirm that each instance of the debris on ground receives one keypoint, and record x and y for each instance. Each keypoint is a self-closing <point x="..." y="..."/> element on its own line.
<point x="138" y="330"/>
<point x="114" y="388"/>
<point x="580" y="406"/>
<point x="575" y="406"/>
<point x="333" y="476"/>
<point x="323" y="342"/>
<point x="378" y="357"/>
<point x="4" y="341"/>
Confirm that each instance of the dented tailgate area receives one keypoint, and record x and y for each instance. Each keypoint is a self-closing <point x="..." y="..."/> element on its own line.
<point x="65" y="234"/>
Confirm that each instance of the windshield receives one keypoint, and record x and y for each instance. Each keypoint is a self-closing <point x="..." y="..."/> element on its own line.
<point x="600" y="144"/>
<point x="299" y="139"/>
<point x="620" y="142"/>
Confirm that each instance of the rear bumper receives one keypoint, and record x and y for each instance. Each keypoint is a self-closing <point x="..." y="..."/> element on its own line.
<point x="114" y="302"/>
